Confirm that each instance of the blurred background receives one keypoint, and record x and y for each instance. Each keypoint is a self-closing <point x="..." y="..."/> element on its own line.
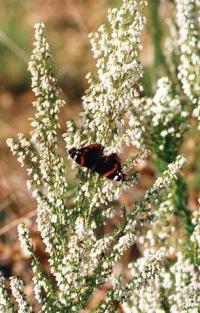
<point x="68" y="23"/>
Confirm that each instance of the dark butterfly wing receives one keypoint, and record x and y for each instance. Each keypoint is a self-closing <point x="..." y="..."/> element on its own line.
<point x="110" y="167"/>
<point x="92" y="157"/>
<point x="117" y="175"/>
<point x="87" y="156"/>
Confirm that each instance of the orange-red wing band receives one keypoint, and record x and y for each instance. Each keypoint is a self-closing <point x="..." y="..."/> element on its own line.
<point x="107" y="174"/>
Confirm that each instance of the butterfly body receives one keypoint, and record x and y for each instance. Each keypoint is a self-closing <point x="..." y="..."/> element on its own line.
<point x="93" y="158"/>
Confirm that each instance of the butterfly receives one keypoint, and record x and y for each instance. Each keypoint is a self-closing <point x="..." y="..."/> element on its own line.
<point x="92" y="157"/>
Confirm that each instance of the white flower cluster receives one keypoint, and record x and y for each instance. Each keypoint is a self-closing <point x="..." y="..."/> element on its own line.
<point x="176" y="288"/>
<point x="103" y="191"/>
<point x="45" y="166"/>
<point x="164" y="106"/>
<point x="26" y="242"/>
<point x="161" y="118"/>
<point x="126" y="235"/>
<point x="17" y="288"/>
<point x="5" y="304"/>
<point x="41" y="284"/>
<point x="186" y="296"/>
<point x="170" y="174"/>
<point x="147" y="268"/>
<point x="109" y="97"/>
<point x="189" y="69"/>
<point x="161" y="234"/>
<point x="88" y="255"/>
<point x="48" y="102"/>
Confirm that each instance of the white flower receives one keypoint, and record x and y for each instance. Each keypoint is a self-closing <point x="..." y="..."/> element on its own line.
<point x="17" y="288"/>
<point x="26" y="242"/>
<point x="189" y="68"/>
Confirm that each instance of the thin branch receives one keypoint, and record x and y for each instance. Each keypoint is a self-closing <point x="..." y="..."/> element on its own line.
<point x="17" y="221"/>
<point x="13" y="47"/>
<point x="156" y="33"/>
<point x="5" y="203"/>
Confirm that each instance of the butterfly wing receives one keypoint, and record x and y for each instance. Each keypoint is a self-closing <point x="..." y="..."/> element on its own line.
<point x="87" y="156"/>
<point x="92" y="157"/>
<point x="110" y="167"/>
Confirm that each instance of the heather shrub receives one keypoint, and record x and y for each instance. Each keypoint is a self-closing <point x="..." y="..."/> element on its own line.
<point x="117" y="113"/>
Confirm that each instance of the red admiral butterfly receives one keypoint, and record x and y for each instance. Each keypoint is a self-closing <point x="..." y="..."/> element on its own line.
<point x="93" y="158"/>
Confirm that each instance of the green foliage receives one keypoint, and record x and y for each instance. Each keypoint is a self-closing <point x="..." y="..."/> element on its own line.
<point x="14" y="46"/>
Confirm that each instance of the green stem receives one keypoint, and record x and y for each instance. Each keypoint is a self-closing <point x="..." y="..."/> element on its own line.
<point x="179" y="191"/>
<point x="156" y="34"/>
<point x="180" y="199"/>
